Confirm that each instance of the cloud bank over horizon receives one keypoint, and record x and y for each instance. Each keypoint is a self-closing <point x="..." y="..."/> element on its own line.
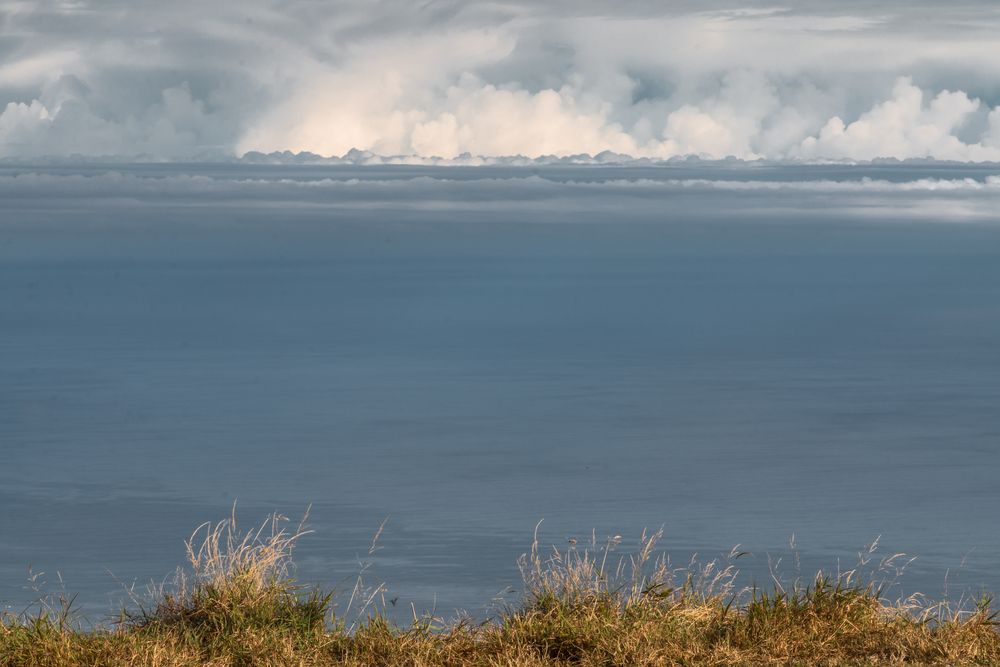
<point x="819" y="80"/>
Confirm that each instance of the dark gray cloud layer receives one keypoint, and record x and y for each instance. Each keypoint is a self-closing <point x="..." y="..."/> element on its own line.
<point x="851" y="80"/>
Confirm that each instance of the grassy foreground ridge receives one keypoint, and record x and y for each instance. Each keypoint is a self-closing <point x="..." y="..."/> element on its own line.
<point x="237" y="604"/>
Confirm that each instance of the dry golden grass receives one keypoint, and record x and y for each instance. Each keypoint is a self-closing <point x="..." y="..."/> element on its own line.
<point x="237" y="605"/>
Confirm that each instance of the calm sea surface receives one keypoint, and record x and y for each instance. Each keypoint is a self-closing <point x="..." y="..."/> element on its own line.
<point x="739" y="355"/>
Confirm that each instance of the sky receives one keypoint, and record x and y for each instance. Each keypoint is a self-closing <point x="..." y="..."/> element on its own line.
<point x="806" y="80"/>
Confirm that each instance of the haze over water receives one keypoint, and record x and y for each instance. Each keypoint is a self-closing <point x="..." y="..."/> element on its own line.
<point x="740" y="354"/>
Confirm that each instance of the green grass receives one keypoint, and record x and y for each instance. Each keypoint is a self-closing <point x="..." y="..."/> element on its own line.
<point x="237" y="604"/>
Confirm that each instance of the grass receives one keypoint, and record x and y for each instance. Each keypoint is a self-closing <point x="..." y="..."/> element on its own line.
<point x="237" y="604"/>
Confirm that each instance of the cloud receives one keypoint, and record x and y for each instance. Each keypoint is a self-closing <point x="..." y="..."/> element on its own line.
<point x="182" y="79"/>
<point x="431" y="184"/>
<point x="470" y="117"/>
<point x="729" y="123"/>
<point x="62" y="121"/>
<point x="79" y="202"/>
<point x="904" y="127"/>
<point x="992" y="136"/>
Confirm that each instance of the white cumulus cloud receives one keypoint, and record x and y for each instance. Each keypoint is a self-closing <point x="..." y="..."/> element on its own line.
<point x="906" y="126"/>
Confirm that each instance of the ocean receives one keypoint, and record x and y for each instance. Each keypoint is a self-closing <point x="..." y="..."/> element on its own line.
<point x="794" y="359"/>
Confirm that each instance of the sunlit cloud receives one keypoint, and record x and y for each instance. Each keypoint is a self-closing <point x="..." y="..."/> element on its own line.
<point x="853" y="81"/>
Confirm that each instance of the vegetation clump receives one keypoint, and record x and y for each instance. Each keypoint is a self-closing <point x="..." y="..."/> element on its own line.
<point x="237" y="605"/>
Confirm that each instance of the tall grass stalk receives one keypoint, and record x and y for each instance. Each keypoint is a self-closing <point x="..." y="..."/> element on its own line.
<point x="237" y="604"/>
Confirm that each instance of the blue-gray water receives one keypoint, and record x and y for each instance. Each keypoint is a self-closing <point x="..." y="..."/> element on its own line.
<point x="738" y="354"/>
